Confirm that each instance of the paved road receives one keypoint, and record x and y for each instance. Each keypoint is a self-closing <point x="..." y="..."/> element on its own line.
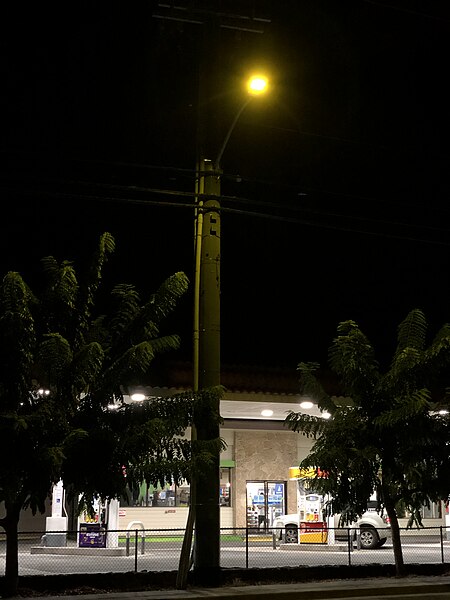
<point x="161" y="557"/>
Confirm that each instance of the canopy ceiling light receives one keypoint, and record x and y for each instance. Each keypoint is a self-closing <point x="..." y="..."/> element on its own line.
<point x="306" y="404"/>
<point x="266" y="412"/>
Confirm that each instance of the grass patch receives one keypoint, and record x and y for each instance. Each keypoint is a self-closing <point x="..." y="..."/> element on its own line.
<point x="177" y="538"/>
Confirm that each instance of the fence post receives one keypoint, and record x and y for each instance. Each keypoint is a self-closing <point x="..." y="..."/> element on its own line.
<point x="350" y="547"/>
<point x="246" y="547"/>
<point x="358" y="539"/>
<point x="442" y="544"/>
<point x="135" y="550"/>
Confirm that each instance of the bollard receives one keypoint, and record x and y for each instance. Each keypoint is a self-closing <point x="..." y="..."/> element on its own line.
<point x="358" y="539"/>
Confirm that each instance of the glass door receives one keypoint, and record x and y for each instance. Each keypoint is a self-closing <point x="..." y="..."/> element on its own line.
<point x="266" y="500"/>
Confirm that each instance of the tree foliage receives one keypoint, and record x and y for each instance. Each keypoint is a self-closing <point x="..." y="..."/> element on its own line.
<point x="388" y="437"/>
<point x="62" y="364"/>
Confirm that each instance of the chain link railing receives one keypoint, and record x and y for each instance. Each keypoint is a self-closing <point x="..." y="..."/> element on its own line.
<point x="137" y="549"/>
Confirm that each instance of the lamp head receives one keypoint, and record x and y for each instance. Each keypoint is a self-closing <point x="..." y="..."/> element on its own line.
<point x="257" y="85"/>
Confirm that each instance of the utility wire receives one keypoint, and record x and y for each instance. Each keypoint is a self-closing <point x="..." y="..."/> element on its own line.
<point x="408" y="10"/>
<point x="223" y="209"/>
<point x="295" y="189"/>
<point x="191" y="174"/>
<point x="247" y="201"/>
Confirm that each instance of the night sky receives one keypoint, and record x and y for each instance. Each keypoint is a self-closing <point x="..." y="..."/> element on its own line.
<point x="335" y="185"/>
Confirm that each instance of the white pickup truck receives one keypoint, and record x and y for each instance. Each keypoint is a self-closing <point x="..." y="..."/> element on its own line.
<point x="373" y="529"/>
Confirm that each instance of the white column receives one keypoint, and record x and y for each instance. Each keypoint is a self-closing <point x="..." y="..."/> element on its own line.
<point x="112" y="536"/>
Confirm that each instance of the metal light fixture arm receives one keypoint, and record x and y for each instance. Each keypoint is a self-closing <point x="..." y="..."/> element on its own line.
<point x="229" y="132"/>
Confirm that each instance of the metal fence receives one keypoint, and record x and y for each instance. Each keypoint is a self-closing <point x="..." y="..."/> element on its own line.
<point x="151" y="550"/>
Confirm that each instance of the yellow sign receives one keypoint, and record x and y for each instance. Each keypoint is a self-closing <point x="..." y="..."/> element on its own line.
<point x="297" y="473"/>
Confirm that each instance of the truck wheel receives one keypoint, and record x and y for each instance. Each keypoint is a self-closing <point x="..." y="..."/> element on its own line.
<point x="369" y="538"/>
<point x="291" y="534"/>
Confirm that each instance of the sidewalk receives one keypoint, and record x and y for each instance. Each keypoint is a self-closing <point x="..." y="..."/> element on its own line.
<point x="421" y="586"/>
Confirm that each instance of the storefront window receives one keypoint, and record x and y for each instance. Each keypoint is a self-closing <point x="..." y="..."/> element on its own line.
<point x="163" y="497"/>
<point x="174" y="495"/>
<point x="266" y="500"/>
<point x="183" y="493"/>
<point x="434" y="511"/>
<point x="225" y="486"/>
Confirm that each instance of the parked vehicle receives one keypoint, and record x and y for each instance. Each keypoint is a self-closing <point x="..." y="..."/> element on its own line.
<point x="372" y="528"/>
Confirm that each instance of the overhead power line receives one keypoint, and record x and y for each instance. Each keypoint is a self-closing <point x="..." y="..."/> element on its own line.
<point x="190" y="174"/>
<point x="417" y="13"/>
<point x="257" y="214"/>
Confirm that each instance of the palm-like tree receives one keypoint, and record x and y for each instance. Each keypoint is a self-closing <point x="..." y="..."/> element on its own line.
<point x="54" y="341"/>
<point x="387" y="437"/>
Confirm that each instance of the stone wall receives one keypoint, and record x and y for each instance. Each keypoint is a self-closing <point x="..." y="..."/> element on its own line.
<point x="263" y="455"/>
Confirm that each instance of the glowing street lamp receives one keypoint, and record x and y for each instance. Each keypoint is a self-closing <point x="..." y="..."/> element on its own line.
<point x="257" y="85"/>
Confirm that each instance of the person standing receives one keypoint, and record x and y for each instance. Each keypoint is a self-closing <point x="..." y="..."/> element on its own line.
<point x="261" y="516"/>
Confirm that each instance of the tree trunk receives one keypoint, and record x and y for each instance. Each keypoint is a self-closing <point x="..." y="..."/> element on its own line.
<point x="185" y="556"/>
<point x="11" y="580"/>
<point x="396" y="541"/>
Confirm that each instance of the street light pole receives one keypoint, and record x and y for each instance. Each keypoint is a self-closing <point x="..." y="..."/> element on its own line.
<point x="209" y="307"/>
<point x="207" y="347"/>
<point x="207" y="370"/>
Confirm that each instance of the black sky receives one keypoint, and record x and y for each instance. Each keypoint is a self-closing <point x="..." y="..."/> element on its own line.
<point x="341" y="174"/>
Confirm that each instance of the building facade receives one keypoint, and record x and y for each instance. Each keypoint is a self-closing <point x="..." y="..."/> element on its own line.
<point x="255" y="482"/>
